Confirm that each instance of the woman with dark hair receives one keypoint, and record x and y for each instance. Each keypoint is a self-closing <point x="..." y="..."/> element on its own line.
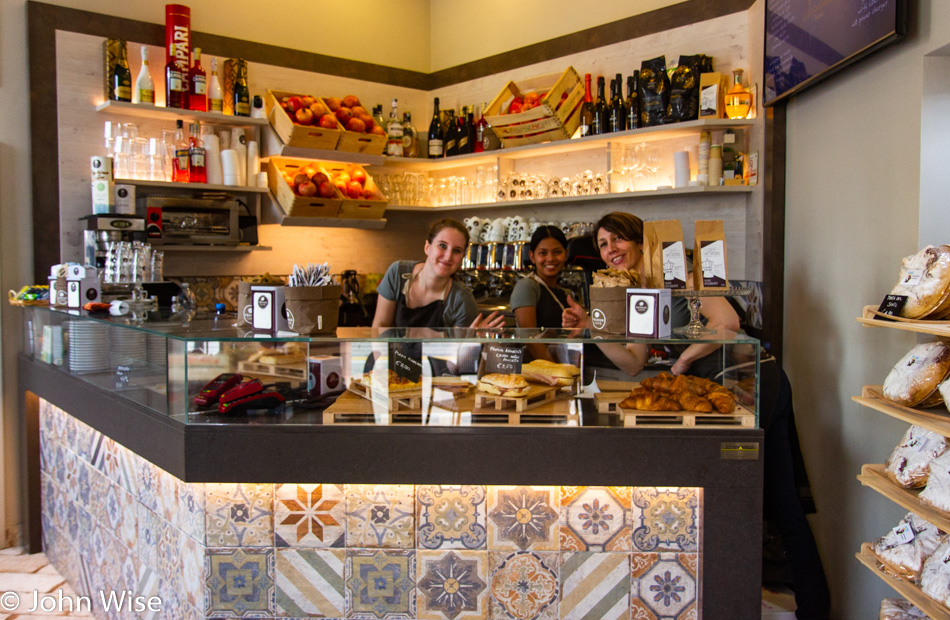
<point x="537" y="300"/>
<point x="619" y="237"/>
<point x="413" y="294"/>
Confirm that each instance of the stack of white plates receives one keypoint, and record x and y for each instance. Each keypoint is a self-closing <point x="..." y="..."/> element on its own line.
<point x="157" y="355"/>
<point x="88" y="347"/>
<point x="128" y="348"/>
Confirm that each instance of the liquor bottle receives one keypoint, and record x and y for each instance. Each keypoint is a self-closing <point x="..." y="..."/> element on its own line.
<point x="144" y="91"/>
<point x="464" y="146"/>
<point x="378" y="116"/>
<point x="182" y="155"/>
<point x="451" y="135"/>
<point x="197" y="172"/>
<point x="122" y="76"/>
<point x="480" y="128"/>
<point x="633" y="101"/>
<point x="599" y="126"/>
<point x="587" y="110"/>
<point x="395" y="133"/>
<point x="174" y="84"/>
<point x="436" y="146"/>
<point x="618" y="115"/>
<point x="738" y="99"/>
<point x="215" y="92"/>
<point x="198" y="85"/>
<point x="470" y="126"/>
<point x="410" y="141"/>
<point x="242" y="98"/>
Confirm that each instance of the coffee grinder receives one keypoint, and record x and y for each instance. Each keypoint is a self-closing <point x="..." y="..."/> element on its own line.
<point x="102" y="229"/>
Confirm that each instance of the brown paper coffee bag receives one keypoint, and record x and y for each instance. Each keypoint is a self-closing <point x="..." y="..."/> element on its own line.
<point x="664" y="254"/>
<point x="312" y="309"/>
<point x="709" y="256"/>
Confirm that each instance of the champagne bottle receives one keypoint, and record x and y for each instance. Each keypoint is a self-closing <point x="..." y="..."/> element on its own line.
<point x="464" y="146"/>
<point x="633" y="101"/>
<point x="122" y="76"/>
<point x="618" y="115"/>
<point x="215" y="92"/>
<point x="242" y="98"/>
<point x="451" y="135"/>
<point x="144" y="91"/>
<point x="410" y="141"/>
<point x="436" y="146"/>
<point x="599" y="126"/>
<point x="470" y="126"/>
<point x="587" y="110"/>
<point x="198" y="85"/>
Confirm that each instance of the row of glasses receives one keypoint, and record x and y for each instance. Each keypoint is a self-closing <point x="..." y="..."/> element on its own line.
<point x="415" y="189"/>
<point x="638" y="164"/>
<point x="129" y="262"/>
<point x="521" y="186"/>
<point x="139" y="157"/>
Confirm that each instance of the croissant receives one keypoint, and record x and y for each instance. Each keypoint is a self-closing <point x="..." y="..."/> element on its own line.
<point x="691" y="402"/>
<point x="685" y="383"/>
<point x="722" y="400"/>
<point x="663" y="382"/>
<point x="648" y="400"/>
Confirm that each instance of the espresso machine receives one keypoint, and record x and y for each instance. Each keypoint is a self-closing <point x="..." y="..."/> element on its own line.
<point x="103" y="229"/>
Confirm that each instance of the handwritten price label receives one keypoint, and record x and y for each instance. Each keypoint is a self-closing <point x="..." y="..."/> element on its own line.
<point x="406" y="361"/>
<point x="503" y="359"/>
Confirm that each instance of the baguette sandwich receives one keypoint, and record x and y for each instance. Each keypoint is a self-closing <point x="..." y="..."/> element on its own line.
<point x="503" y="385"/>
<point x="551" y="373"/>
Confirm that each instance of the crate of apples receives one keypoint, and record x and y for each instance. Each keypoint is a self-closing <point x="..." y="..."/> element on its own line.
<point x="363" y="134"/>
<point x="303" y="188"/>
<point x="533" y="111"/>
<point x="361" y="196"/>
<point x="302" y="120"/>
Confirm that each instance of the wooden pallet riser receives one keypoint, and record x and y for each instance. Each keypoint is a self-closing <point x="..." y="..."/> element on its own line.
<point x="687" y="420"/>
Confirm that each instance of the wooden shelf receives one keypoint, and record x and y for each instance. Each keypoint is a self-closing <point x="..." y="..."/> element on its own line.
<point x="142" y="110"/>
<point x="873" y="397"/>
<point x="514" y="204"/>
<point x="340" y="156"/>
<point x="332" y="222"/>
<point x="237" y="189"/>
<point x="212" y="248"/>
<point x="933" y="328"/>
<point x="875" y="477"/>
<point x="904" y="587"/>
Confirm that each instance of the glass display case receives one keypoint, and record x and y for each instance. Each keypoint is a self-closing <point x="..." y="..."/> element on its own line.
<point x="438" y="377"/>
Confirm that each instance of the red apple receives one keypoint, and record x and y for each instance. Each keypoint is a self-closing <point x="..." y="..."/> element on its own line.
<point x="369" y="194"/>
<point x="328" y="121"/>
<point x="300" y="178"/>
<point x="333" y="103"/>
<point x="358" y="110"/>
<point x="294" y="103"/>
<point x="350" y="101"/>
<point x="319" y="178"/>
<point x="354" y="189"/>
<point x="355" y="124"/>
<point x="359" y="175"/>
<point x="304" y="116"/>
<point x="308" y="101"/>
<point x="377" y="130"/>
<point x="327" y="190"/>
<point x="318" y="109"/>
<point x="343" y="114"/>
<point x="307" y="189"/>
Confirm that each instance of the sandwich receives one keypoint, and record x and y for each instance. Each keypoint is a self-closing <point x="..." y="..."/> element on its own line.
<point x="503" y="385"/>
<point x="396" y="383"/>
<point x="551" y="373"/>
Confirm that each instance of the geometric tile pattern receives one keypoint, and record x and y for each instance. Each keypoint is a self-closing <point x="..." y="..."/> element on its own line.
<point x="451" y="517"/>
<point x="523" y="518"/>
<point x="452" y="584"/>
<point x="111" y="521"/>
<point x="666" y="519"/>
<point x="595" y="518"/>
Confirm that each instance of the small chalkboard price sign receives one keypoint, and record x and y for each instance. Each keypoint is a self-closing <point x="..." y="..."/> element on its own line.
<point x="502" y="359"/>
<point x="123" y="374"/>
<point x="891" y="306"/>
<point x="406" y="362"/>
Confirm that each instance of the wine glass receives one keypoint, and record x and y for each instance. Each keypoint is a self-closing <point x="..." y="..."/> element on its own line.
<point x="652" y="162"/>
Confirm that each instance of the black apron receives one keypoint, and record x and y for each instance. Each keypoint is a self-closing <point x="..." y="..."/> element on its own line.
<point x="429" y="315"/>
<point x="550" y="305"/>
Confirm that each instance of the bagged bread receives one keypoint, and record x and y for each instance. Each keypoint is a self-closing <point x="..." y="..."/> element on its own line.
<point x="909" y="463"/>
<point x="710" y="267"/>
<point x="916" y="376"/>
<point x="937" y="491"/>
<point x="904" y="549"/>
<point x="899" y="609"/>
<point x="925" y="281"/>
<point x="664" y="254"/>
<point x="935" y="576"/>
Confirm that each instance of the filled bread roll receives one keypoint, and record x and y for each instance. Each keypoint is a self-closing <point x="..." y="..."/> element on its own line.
<point x="935" y="576"/>
<point x="904" y="549"/>
<point x="909" y="462"/>
<point x="503" y="385"/>
<point x="917" y="375"/>
<point x="925" y="281"/>
<point x="550" y="372"/>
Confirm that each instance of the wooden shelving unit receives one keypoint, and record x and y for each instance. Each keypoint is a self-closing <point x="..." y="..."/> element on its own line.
<point x="236" y="189"/>
<point x="213" y="248"/>
<point x="935" y="419"/>
<point x="874" y="477"/>
<point x="932" y="328"/>
<point x="144" y="110"/>
<point x="904" y="587"/>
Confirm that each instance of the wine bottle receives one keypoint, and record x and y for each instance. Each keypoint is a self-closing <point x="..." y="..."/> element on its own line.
<point x="198" y="85"/>
<point x="451" y="135"/>
<point x="464" y="146"/>
<point x="122" y="76"/>
<point x="174" y="84"/>
<point x="394" y="131"/>
<point x="587" y="110"/>
<point x="242" y="98"/>
<point x="215" y="92"/>
<point x="599" y="126"/>
<point x="470" y="126"/>
<point x="436" y="146"/>
<point x="144" y="91"/>
<point x="633" y="101"/>
<point x="181" y="162"/>
<point x="410" y="141"/>
<point x="480" y="131"/>
<point x="618" y="115"/>
<point x="197" y="172"/>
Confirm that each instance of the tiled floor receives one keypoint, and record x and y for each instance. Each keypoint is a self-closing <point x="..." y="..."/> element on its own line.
<point x="26" y="578"/>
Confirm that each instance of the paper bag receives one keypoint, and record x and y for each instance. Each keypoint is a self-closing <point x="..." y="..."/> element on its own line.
<point x="664" y="254"/>
<point x="244" y="310"/>
<point x="709" y="256"/>
<point x="312" y="309"/>
<point x="608" y="310"/>
<point x="712" y="93"/>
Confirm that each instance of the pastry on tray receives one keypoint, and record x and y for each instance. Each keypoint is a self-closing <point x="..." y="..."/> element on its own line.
<point x="905" y="548"/>
<point x="925" y="281"/>
<point x="916" y="376"/>
<point x="550" y="373"/>
<point x="909" y="462"/>
<point x="900" y="609"/>
<point x="503" y="385"/>
<point x="681" y="393"/>
<point x="396" y="382"/>
<point x="935" y="576"/>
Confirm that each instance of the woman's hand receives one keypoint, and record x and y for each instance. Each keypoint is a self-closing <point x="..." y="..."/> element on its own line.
<point x="492" y="321"/>
<point x="680" y="367"/>
<point x="574" y="316"/>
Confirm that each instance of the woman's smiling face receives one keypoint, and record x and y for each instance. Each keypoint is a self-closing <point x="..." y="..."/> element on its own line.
<point x="444" y="254"/>
<point x="549" y="257"/>
<point x="618" y="253"/>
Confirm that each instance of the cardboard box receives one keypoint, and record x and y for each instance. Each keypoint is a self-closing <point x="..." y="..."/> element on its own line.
<point x="554" y="119"/>
<point x="292" y="134"/>
<point x="649" y="313"/>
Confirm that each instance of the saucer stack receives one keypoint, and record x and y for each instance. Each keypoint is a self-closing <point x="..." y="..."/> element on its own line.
<point x="88" y="347"/>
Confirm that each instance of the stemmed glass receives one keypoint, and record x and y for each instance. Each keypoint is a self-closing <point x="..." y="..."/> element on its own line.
<point x="652" y="162"/>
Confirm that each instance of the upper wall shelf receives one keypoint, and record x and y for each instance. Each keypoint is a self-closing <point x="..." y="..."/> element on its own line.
<point x="237" y="189"/>
<point x="933" y="328"/>
<point x="150" y="111"/>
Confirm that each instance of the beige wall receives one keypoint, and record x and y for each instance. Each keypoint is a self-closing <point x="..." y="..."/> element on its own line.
<point x="854" y="153"/>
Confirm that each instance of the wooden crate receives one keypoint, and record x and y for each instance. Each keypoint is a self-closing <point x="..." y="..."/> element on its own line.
<point x="607" y="401"/>
<point x="292" y="134"/>
<point x="363" y="208"/>
<point x="369" y="143"/>
<point x="291" y="203"/>
<point x="410" y="399"/>
<point x="544" y="123"/>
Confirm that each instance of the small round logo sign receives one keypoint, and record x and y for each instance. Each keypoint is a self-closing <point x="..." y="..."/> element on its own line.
<point x="598" y="318"/>
<point x="290" y="317"/>
<point x="666" y="314"/>
<point x="248" y="313"/>
<point x="641" y="307"/>
<point x="262" y="302"/>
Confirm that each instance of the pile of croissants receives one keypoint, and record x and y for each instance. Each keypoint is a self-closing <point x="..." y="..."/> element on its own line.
<point x="665" y="392"/>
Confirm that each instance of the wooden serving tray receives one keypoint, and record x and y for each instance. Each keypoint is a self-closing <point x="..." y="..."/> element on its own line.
<point x="741" y="417"/>
<point x="408" y="399"/>
<point x="904" y="587"/>
<point x="607" y="401"/>
<point x="298" y="372"/>
<point x="537" y="395"/>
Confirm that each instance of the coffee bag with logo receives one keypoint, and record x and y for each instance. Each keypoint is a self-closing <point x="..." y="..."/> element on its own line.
<point x="709" y="256"/>
<point x="664" y="254"/>
<point x="312" y="309"/>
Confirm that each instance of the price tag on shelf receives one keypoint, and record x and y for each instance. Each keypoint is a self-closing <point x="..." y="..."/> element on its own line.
<point x="406" y="360"/>
<point x="122" y="375"/>
<point x="892" y="306"/>
<point x="504" y="359"/>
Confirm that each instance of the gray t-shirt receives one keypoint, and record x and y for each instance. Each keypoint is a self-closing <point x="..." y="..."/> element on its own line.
<point x="460" y="307"/>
